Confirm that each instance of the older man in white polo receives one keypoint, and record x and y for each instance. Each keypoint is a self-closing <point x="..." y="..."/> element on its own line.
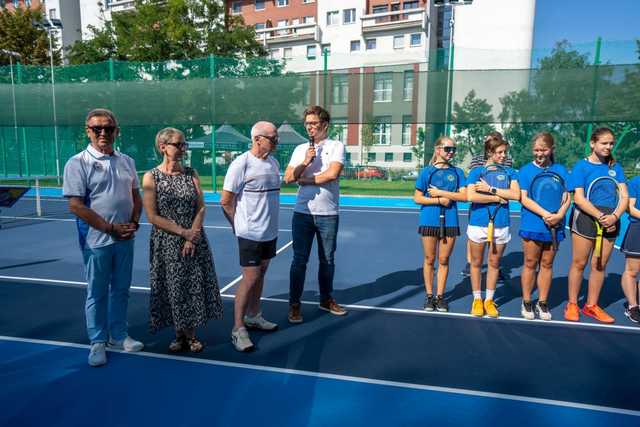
<point x="103" y="191"/>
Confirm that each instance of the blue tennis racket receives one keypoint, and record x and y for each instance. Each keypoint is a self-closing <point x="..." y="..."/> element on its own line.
<point x="548" y="190"/>
<point x="498" y="177"/>
<point x="603" y="194"/>
<point x="443" y="177"/>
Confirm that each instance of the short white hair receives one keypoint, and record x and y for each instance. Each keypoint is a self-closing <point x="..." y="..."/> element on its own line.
<point x="260" y="127"/>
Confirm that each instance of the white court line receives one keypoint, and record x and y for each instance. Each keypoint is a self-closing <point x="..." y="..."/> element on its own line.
<point x="362" y="380"/>
<point x="507" y="319"/>
<point x="237" y="279"/>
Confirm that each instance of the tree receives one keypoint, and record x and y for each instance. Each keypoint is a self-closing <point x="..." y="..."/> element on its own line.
<point x="159" y="30"/>
<point x="19" y="34"/>
<point x="418" y="148"/>
<point x="367" y="139"/>
<point x="473" y="120"/>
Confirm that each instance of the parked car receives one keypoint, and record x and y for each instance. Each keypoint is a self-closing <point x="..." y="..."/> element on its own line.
<point x="409" y="176"/>
<point x="370" y="172"/>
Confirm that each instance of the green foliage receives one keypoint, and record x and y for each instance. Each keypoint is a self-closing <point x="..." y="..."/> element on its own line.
<point x="18" y="34"/>
<point x="158" y="30"/>
<point x="473" y="118"/>
<point x="418" y="148"/>
<point x="367" y="139"/>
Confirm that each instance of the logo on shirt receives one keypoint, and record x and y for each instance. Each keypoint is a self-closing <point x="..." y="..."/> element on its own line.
<point x="612" y="172"/>
<point x="501" y="177"/>
<point x="98" y="166"/>
<point x="450" y="177"/>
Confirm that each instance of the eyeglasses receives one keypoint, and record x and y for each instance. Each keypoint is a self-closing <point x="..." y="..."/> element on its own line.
<point x="449" y="149"/>
<point x="179" y="145"/>
<point x="272" y="139"/>
<point x="97" y="130"/>
<point x="314" y="124"/>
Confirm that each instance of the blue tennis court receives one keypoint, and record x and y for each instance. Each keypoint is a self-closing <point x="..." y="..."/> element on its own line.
<point x="387" y="363"/>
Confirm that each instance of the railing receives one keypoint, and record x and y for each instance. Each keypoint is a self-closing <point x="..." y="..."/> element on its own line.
<point x="395" y="19"/>
<point x="288" y="33"/>
<point x="120" y="5"/>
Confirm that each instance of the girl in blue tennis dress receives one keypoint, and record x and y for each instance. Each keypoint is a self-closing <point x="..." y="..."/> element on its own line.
<point x="600" y="163"/>
<point x="631" y="249"/>
<point x="535" y="223"/>
<point x="484" y="199"/>
<point x="430" y="200"/>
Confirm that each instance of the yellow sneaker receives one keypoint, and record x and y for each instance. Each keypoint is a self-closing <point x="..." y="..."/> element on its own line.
<point x="491" y="308"/>
<point x="477" y="309"/>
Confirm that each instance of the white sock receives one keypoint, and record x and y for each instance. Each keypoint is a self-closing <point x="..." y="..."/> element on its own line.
<point x="490" y="293"/>
<point x="477" y="294"/>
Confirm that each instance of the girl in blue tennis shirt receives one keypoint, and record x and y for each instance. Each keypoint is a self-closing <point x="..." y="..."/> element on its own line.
<point x="583" y="229"/>
<point x="631" y="249"/>
<point x="534" y="228"/>
<point x="484" y="199"/>
<point x="430" y="200"/>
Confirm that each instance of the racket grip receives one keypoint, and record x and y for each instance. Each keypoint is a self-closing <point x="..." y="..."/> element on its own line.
<point x="490" y="232"/>
<point x="441" y="230"/>
<point x="598" y="248"/>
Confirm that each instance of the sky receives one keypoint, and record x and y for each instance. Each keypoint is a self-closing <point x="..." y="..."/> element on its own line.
<point x="583" y="21"/>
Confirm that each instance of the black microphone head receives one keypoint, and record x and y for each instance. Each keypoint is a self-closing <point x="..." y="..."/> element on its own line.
<point x="311" y="141"/>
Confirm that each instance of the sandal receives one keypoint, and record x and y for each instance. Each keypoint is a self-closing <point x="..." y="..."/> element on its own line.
<point x="178" y="345"/>
<point x="195" y="345"/>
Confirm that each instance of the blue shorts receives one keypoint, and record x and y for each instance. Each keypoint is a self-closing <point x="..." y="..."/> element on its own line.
<point x="631" y="243"/>
<point x="542" y="237"/>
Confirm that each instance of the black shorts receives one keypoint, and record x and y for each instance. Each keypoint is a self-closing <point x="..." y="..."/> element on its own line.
<point x="252" y="253"/>
<point x="584" y="225"/>
<point x="427" y="230"/>
<point x="631" y="243"/>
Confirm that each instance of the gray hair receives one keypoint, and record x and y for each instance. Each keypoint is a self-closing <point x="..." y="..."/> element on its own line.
<point x="260" y="127"/>
<point x="101" y="112"/>
<point x="168" y="135"/>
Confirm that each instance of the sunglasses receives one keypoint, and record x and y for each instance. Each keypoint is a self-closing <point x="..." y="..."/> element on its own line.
<point x="179" y="145"/>
<point x="449" y="149"/>
<point x="97" y="130"/>
<point x="272" y="139"/>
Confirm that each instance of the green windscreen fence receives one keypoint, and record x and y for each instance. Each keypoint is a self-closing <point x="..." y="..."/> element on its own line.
<point x="386" y="110"/>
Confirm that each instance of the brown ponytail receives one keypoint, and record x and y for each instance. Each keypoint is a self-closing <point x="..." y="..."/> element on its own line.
<point x="597" y="134"/>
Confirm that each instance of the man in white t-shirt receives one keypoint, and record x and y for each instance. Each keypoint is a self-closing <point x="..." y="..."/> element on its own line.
<point x="251" y="202"/>
<point x="316" y="168"/>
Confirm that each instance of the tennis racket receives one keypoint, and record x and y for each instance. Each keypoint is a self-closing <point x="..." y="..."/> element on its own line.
<point x="548" y="190"/>
<point x="603" y="195"/>
<point x="443" y="178"/>
<point x="498" y="177"/>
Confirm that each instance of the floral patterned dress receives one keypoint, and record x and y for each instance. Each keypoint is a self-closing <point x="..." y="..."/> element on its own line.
<point x="184" y="290"/>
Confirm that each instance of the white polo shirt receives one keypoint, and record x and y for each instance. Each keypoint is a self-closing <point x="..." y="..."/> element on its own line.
<point x="256" y="183"/>
<point x="105" y="182"/>
<point x="323" y="199"/>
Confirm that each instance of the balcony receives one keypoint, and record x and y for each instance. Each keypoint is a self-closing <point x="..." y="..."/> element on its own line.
<point x="396" y="20"/>
<point x="120" y="5"/>
<point x="289" y="33"/>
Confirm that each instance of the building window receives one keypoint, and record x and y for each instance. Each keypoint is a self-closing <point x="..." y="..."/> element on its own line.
<point x="406" y="129"/>
<point x="283" y="3"/>
<point x="347" y="158"/>
<point x="348" y="16"/>
<point x="327" y="47"/>
<point x="382" y="130"/>
<point x="274" y="53"/>
<point x="382" y="87"/>
<point x="416" y="39"/>
<point x="340" y="88"/>
<point x="52" y="14"/>
<point x="371" y="157"/>
<point x="309" y="20"/>
<point x="287" y="53"/>
<point x="311" y="52"/>
<point x="371" y="44"/>
<point x="406" y="157"/>
<point x="333" y="17"/>
<point x="259" y="25"/>
<point x="407" y="90"/>
<point x="308" y="1"/>
<point x="380" y="9"/>
<point x="259" y="4"/>
<point x="355" y="45"/>
<point x="398" y="42"/>
<point x="388" y="157"/>
<point x="410" y="5"/>
<point x="340" y="128"/>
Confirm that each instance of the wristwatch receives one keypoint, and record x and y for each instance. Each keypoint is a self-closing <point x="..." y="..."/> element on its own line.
<point x="493" y="190"/>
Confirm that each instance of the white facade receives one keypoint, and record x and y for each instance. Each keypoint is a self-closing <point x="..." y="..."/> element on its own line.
<point x="64" y="13"/>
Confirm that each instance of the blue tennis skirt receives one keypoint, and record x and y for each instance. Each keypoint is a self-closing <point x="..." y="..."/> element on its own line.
<point x="631" y="243"/>
<point x="542" y="237"/>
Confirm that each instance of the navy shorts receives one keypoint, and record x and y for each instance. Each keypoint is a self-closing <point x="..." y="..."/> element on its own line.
<point x="631" y="243"/>
<point x="252" y="253"/>
<point x="584" y="225"/>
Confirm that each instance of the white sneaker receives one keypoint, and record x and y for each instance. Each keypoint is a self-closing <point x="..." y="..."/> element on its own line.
<point x="526" y="310"/>
<point x="97" y="354"/>
<point x="240" y="340"/>
<point x="542" y="309"/>
<point x="259" y="322"/>
<point x="128" y="344"/>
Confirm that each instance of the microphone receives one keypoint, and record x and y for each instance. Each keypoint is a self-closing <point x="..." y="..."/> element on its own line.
<point x="311" y="144"/>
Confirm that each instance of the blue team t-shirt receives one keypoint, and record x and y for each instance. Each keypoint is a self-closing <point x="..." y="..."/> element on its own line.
<point x="479" y="215"/>
<point x="430" y="214"/>
<point x="634" y="192"/>
<point x="530" y="221"/>
<point x="584" y="173"/>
